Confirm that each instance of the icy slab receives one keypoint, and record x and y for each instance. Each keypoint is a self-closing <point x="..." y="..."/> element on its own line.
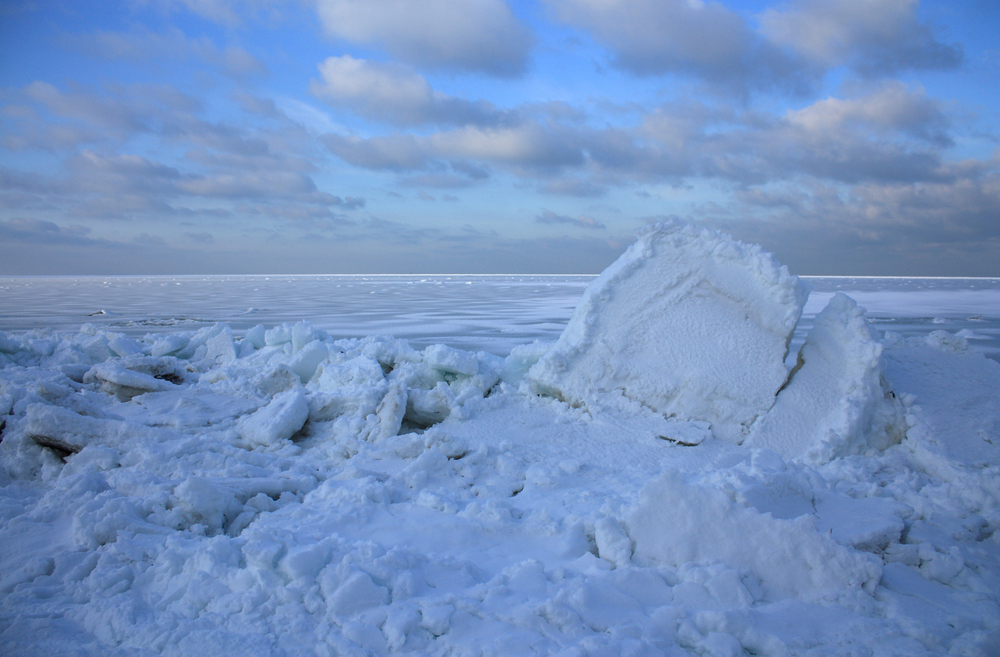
<point x="675" y="523"/>
<point x="836" y="401"/>
<point x="688" y="322"/>
<point x="277" y="421"/>
<point x="135" y="375"/>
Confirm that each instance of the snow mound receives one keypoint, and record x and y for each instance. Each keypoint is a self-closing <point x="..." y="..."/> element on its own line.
<point x="688" y="322"/>
<point x="836" y="401"/>
<point x="675" y="523"/>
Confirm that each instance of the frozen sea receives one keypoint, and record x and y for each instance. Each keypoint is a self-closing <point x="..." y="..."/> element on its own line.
<point x="488" y="312"/>
<point x="187" y="468"/>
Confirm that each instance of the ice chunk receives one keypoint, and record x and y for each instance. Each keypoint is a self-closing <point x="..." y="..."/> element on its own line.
<point x="427" y="407"/>
<point x="169" y="344"/>
<point x="388" y="417"/>
<point x="612" y="542"/>
<point x="302" y="334"/>
<point x="868" y="523"/>
<point x="69" y="432"/>
<point x="355" y="595"/>
<point x="128" y="377"/>
<point x="220" y="346"/>
<point x="255" y="337"/>
<point x="278" y="335"/>
<point x="207" y="502"/>
<point x="305" y="562"/>
<point x="836" y="402"/>
<point x="688" y="322"/>
<point x="448" y="359"/>
<point x="675" y="524"/>
<point x="277" y="421"/>
<point x="308" y="359"/>
<point x="123" y="346"/>
<point x="521" y="359"/>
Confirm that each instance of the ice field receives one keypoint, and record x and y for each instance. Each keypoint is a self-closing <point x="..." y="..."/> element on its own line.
<point x="690" y="454"/>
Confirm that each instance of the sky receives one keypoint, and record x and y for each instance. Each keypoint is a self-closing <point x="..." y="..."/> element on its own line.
<point x="848" y="137"/>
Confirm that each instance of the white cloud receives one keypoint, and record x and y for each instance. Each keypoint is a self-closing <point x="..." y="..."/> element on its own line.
<point x="392" y="152"/>
<point x="935" y="228"/>
<point x="794" y="47"/>
<point x="707" y="40"/>
<point x="231" y="13"/>
<point x="472" y="35"/>
<point x="105" y="112"/>
<point x="36" y="231"/>
<point x="529" y="145"/>
<point x="393" y="93"/>
<point x="172" y="45"/>
<point x="573" y="187"/>
<point x="550" y="217"/>
<point x="526" y="146"/>
<point x="874" y="37"/>
<point x="889" y="133"/>
<point x="891" y="107"/>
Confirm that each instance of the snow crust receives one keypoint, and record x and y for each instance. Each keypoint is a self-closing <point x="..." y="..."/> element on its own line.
<point x="282" y="492"/>
<point x="688" y="322"/>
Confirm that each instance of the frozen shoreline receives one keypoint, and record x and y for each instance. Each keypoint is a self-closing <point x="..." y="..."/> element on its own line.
<point x="282" y="490"/>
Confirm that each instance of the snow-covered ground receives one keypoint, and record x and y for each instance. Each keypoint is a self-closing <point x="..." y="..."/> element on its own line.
<point x="652" y="483"/>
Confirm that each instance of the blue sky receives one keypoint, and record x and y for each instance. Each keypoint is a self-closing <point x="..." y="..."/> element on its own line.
<point x="484" y="136"/>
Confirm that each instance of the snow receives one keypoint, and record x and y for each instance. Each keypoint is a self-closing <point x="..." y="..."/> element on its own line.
<point x="281" y="490"/>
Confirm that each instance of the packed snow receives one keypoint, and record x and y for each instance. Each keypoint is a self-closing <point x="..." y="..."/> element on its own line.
<point x="660" y="480"/>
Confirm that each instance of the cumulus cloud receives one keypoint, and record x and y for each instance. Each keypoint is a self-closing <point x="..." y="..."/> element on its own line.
<point x="792" y="48"/>
<point x="573" y="186"/>
<point x="272" y="184"/>
<point x="265" y="107"/>
<point x="144" y="45"/>
<point x="200" y="237"/>
<point x="217" y="164"/>
<point x="118" y="174"/>
<point x="473" y="35"/>
<point x="100" y="111"/>
<point x="437" y="180"/>
<point x="231" y="13"/>
<point x="145" y="239"/>
<point x="876" y="228"/>
<point x="36" y="231"/>
<point x="702" y="39"/>
<point x="889" y="133"/>
<point x="883" y="132"/>
<point x="873" y="37"/>
<point x="391" y="152"/>
<point x="393" y="93"/>
<point x="889" y="108"/>
<point x="529" y="145"/>
<point x="550" y="217"/>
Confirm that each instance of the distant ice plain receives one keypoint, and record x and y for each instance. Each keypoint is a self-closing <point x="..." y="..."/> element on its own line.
<point x="492" y="313"/>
